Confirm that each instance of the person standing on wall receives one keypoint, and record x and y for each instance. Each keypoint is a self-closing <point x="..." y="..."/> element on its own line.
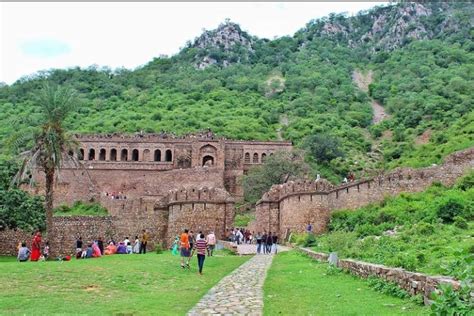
<point x="200" y="248"/>
<point x="143" y="241"/>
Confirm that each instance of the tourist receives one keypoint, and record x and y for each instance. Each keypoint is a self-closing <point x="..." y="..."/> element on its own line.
<point x="36" y="246"/>
<point x="129" y="248"/>
<point x="126" y="241"/>
<point x="198" y="236"/>
<point x="175" y="247"/>
<point x="100" y="244"/>
<point x="122" y="249"/>
<point x="264" y="242"/>
<point x="78" y="245"/>
<point x="318" y="177"/>
<point x="344" y="180"/>
<point x="46" y="251"/>
<point x="259" y="242"/>
<point x="309" y="228"/>
<point x="95" y="250"/>
<point x="111" y="249"/>
<point x="184" y="249"/>
<point x="201" y="246"/>
<point x="238" y="236"/>
<point x="136" y="245"/>
<point x="23" y="253"/>
<point x="211" y="243"/>
<point x="89" y="251"/>
<point x="275" y="245"/>
<point x="191" y="240"/>
<point x="251" y="237"/>
<point x="269" y="243"/>
<point x="143" y="241"/>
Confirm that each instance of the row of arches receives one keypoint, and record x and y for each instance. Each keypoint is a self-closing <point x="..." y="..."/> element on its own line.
<point x="125" y="155"/>
<point x="255" y="158"/>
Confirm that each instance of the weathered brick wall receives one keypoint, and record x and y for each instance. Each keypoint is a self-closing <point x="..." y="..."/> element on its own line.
<point x="197" y="209"/>
<point x="414" y="283"/>
<point x="10" y="238"/>
<point x="296" y="203"/>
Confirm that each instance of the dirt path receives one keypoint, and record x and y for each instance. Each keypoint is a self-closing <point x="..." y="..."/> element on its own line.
<point x="362" y="81"/>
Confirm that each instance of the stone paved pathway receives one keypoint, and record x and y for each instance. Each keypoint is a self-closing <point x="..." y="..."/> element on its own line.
<point x="246" y="249"/>
<point x="239" y="293"/>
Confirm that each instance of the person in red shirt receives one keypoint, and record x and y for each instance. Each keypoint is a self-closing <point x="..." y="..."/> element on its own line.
<point x="200" y="248"/>
<point x="184" y="249"/>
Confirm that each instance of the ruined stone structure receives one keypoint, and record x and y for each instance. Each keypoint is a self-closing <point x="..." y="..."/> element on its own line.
<point x="291" y="206"/>
<point x="164" y="183"/>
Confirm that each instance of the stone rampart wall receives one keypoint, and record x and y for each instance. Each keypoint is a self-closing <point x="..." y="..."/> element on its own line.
<point x="296" y="203"/>
<point x="414" y="283"/>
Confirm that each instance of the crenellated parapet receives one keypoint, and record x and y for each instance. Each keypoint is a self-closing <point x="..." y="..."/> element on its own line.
<point x="199" y="194"/>
<point x="280" y="191"/>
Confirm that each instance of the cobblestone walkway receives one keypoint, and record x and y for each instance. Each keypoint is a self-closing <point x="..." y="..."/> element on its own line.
<point x="239" y="293"/>
<point x="246" y="249"/>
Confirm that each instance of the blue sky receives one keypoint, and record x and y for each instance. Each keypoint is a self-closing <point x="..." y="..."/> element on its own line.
<point x="39" y="36"/>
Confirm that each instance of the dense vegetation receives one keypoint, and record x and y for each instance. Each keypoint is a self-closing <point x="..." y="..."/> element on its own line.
<point x="81" y="208"/>
<point x="430" y="231"/>
<point x="299" y="88"/>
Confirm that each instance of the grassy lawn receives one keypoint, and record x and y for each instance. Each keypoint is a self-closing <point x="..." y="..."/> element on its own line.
<point x="298" y="285"/>
<point x="119" y="284"/>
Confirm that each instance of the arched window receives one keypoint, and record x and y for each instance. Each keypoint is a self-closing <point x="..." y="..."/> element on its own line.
<point x="157" y="155"/>
<point x="113" y="154"/>
<point x="264" y="156"/>
<point x="255" y="158"/>
<point x="102" y="154"/>
<point x="208" y="161"/>
<point x="168" y="155"/>
<point x="247" y="158"/>
<point x="135" y="155"/>
<point x="80" y="155"/>
<point x="70" y="153"/>
<point x="124" y="155"/>
<point x="91" y="154"/>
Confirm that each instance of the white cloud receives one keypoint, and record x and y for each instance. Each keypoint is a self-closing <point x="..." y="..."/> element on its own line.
<point x="131" y="34"/>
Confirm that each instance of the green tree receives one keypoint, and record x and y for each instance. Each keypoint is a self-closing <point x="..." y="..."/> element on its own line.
<point x="323" y="147"/>
<point x="51" y="143"/>
<point x="277" y="169"/>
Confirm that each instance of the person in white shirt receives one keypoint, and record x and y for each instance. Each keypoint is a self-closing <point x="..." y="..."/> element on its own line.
<point x="211" y="243"/>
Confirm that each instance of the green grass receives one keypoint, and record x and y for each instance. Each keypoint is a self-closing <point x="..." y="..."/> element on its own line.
<point x="81" y="209"/>
<point x="298" y="285"/>
<point x="119" y="284"/>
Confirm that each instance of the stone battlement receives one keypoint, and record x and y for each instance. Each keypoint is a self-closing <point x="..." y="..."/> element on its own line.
<point x="290" y="206"/>
<point x="204" y="194"/>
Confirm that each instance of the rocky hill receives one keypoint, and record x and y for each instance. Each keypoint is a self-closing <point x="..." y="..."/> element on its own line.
<point x="418" y="56"/>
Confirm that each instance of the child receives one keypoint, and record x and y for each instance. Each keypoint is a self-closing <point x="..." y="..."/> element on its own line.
<point x="46" y="251"/>
<point x="23" y="253"/>
<point x="129" y="248"/>
<point x="174" y="249"/>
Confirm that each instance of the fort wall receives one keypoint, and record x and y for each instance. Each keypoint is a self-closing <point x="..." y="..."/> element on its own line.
<point x="297" y="203"/>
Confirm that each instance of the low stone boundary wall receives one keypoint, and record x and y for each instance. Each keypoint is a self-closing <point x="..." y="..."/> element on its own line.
<point x="228" y="245"/>
<point x="413" y="282"/>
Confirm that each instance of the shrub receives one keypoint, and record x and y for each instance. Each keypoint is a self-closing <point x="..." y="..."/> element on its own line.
<point x="390" y="288"/>
<point x="460" y="222"/>
<point x="466" y="182"/>
<point x="158" y="248"/>
<point x="449" y="208"/>
<point x="451" y="302"/>
<point x="340" y="241"/>
<point x="310" y="240"/>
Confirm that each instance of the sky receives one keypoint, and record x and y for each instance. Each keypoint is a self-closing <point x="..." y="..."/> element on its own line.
<point x="41" y="36"/>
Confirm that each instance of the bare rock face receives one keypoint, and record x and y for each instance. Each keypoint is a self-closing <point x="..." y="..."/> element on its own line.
<point x="224" y="46"/>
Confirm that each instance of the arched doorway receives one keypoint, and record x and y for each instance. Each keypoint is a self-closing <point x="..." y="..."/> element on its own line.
<point x="208" y="161"/>
<point x="135" y="155"/>
<point x="102" y="154"/>
<point x="113" y="154"/>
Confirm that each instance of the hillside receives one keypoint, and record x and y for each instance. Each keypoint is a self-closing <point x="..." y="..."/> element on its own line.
<point x="243" y="87"/>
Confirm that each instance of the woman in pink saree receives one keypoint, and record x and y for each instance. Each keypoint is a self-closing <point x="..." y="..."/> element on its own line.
<point x="96" y="251"/>
<point x="36" y="247"/>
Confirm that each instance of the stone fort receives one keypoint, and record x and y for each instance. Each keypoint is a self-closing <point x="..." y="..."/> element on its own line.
<point x="157" y="182"/>
<point x="289" y="207"/>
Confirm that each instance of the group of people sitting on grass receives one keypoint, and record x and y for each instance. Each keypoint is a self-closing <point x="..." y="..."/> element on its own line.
<point x="96" y="248"/>
<point x="36" y="253"/>
<point x="187" y="245"/>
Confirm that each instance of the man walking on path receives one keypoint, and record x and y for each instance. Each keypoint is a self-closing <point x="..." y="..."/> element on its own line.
<point x="269" y="242"/>
<point x="200" y="247"/>
<point x="275" y="244"/>
<point x="211" y="243"/>
<point x="264" y="242"/>
<point x="143" y="242"/>
<point x="259" y="243"/>
<point x="184" y="249"/>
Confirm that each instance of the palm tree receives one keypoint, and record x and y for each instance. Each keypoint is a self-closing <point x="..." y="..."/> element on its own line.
<point x="51" y="145"/>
